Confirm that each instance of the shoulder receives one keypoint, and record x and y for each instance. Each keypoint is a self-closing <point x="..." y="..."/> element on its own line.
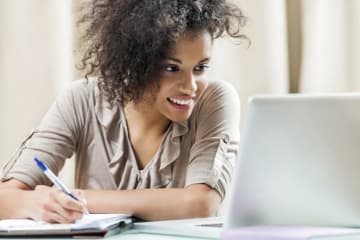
<point x="218" y="104"/>
<point x="82" y="87"/>
<point x="220" y="93"/>
<point x="76" y="100"/>
<point x="79" y="92"/>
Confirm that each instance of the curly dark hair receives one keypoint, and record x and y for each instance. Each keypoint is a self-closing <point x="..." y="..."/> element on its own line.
<point x="128" y="40"/>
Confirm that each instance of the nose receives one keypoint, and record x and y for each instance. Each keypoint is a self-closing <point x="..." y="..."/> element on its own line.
<point x="189" y="84"/>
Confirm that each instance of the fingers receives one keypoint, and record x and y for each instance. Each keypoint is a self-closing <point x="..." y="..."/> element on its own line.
<point x="69" y="203"/>
<point x="81" y="197"/>
<point x="56" y="206"/>
<point x="70" y="209"/>
<point x="51" y="216"/>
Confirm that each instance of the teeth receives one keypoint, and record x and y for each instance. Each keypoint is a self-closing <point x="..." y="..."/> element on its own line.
<point x="181" y="102"/>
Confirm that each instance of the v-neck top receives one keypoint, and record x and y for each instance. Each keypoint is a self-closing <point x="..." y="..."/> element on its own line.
<point x="131" y="147"/>
<point x="201" y="149"/>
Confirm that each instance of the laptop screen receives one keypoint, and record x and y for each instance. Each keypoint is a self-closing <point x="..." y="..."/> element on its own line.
<point x="299" y="162"/>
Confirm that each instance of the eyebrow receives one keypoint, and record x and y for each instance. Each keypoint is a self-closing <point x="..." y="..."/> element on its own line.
<point x="180" y="62"/>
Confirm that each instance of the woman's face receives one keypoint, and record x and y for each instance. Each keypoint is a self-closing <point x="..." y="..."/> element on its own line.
<point x="184" y="77"/>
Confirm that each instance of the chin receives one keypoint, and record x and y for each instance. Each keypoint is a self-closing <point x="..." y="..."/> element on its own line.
<point x="181" y="118"/>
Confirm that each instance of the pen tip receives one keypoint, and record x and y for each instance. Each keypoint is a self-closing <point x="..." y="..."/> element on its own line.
<point x="40" y="164"/>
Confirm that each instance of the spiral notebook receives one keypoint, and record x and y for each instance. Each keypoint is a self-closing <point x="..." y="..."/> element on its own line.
<point x="93" y="224"/>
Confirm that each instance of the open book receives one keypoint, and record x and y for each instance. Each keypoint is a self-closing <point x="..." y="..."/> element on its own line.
<point x="93" y="224"/>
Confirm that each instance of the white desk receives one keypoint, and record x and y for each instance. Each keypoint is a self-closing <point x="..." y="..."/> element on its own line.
<point x="127" y="236"/>
<point x="167" y="230"/>
<point x="175" y="229"/>
<point x="252" y="233"/>
<point x="148" y="236"/>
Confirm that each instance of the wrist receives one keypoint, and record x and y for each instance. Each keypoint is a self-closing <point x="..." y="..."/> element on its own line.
<point x="25" y="208"/>
<point x="13" y="203"/>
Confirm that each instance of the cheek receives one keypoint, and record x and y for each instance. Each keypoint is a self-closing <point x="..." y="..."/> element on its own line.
<point x="202" y="85"/>
<point x="161" y="95"/>
<point x="167" y="86"/>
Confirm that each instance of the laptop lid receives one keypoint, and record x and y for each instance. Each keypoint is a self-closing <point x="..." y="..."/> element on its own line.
<point x="299" y="162"/>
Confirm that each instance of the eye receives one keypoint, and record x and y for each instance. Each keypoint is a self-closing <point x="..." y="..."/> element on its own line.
<point x="171" y="68"/>
<point x="201" y="68"/>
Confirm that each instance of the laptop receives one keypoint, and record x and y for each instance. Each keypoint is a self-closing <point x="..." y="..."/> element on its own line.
<point x="299" y="164"/>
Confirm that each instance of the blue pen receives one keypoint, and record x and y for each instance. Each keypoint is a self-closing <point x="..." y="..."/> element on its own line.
<point x="55" y="180"/>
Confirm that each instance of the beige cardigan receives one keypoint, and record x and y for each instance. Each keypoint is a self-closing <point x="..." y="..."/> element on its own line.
<point x="202" y="149"/>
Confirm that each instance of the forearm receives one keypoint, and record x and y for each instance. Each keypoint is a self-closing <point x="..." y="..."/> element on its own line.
<point x="155" y="204"/>
<point x="13" y="203"/>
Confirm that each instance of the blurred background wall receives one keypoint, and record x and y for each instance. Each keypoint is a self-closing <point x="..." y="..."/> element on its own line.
<point x="36" y="63"/>
<point x="296" y="46"/>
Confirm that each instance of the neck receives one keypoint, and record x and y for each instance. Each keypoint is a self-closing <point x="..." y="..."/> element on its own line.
<point x="142" y="119"/>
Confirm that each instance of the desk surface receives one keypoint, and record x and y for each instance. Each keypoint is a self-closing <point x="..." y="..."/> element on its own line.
<point x="174" y="229"/>
<point x="127" y="236"/>
<point x="140" y="236"/>
<point x="168" y="230"/>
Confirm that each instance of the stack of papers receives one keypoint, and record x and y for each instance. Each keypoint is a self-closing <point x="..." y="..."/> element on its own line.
<point x="93" y="224"/>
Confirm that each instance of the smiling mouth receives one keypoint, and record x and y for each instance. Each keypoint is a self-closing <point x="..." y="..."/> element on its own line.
<point x="180" y="102"/>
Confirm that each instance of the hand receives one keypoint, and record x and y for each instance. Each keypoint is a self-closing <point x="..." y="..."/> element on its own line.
<point x="54" y="206"/>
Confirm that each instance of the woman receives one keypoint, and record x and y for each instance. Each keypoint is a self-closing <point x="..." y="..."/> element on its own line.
<point x="151" y="135"/>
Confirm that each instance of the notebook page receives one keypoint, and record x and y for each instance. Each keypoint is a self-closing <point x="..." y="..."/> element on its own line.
<point x="99" y="221"/>
<point x="95" y="221"/>
<point x="30" y="225"/>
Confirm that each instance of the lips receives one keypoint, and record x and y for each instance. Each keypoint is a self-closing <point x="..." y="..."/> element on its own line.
<point x="182" y="102"/>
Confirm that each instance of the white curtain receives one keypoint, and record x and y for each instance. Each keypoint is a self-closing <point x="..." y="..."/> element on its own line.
<point x="331" y="52"/>
<point x="261" y="68"/>
<point x="296" y="46"/>
<point x="35" y="64"/>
